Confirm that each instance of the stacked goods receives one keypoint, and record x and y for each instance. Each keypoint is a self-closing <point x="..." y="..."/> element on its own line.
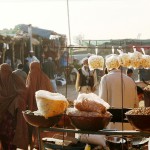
<point x="135" y="60"/>
<point x="113" y="61"/>
<point x="139" y="118"/>
<point x="50" y="104"/>
<point x="89" y="105"/>
<point x="76" y="112"/>
<point x="89" y="113"/>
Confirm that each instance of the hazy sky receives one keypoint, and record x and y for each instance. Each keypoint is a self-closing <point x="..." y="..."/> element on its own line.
<point x="94" y="19"/>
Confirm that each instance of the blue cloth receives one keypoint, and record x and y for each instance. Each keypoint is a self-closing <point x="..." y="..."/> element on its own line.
<point x="63" y="59"/>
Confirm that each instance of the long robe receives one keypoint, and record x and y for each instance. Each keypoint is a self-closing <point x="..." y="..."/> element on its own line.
<point x="118" y="90"/>
<point x="12" y="101"/>
<point x="36" y="80"/>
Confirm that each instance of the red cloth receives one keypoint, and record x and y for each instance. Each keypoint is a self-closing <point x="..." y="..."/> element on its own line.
<point x="36" y="80"/>
<point x="12" y="95"/>
<point x="7" y="131"/>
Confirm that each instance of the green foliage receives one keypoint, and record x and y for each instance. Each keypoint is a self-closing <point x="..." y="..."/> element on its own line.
<point x="14" y="30"/>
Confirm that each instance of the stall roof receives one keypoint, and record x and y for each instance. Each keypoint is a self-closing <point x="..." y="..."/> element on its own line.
<point x="37" y="31"/>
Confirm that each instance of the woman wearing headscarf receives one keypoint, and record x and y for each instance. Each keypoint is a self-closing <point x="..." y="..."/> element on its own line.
<point x="36" y="80"/>
<point x="13" y="128"/>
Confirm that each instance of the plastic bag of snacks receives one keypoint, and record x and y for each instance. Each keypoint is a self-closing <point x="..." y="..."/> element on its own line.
<point x="90" y="102"/>
<point x="96" y="62"/>
<point x="145" y="63"/>
<point x="76" y="112"/>
<point x="136" y="59"/>
<point x="124" y="59"/>
<point x="112" y="62"/>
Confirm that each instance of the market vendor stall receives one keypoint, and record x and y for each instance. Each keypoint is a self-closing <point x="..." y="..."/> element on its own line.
<point x="84" y="126"/>
<point x="90" y="114"/>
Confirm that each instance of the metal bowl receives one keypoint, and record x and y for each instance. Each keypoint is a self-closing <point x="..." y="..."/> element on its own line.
<point x="40" y="121"/>
<point x="118" y="143"/>
<point x="89" y="123"/>
<point x="140" y="122"/>
<point x="138" y="142"/>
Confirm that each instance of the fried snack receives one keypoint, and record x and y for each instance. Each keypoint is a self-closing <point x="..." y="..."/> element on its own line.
<point x="124" y="60"/>
<point x="50" y="104"/>
<point x="139" y="111"/>
<point x="90" y="106"/>
<point x="112" y="62"/>
<point x="96" y="62"/>
<point x="75" y="112"/>
<point x="136" y="59"/>
<point x="91" y="103"/>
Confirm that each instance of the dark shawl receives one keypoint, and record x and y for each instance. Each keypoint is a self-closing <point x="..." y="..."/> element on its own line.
<point x="12" y="100"/>
<point x="36" y="80"/>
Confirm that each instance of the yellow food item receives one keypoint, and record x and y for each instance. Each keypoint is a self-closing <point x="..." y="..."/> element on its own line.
<point x="136" y="59"/>
<point x="112" y="62"/>
<point x="124" y="60"/>
<point x="50" y="104"/>
<point x="96" y="62"/>
<point x="87" y="147"/>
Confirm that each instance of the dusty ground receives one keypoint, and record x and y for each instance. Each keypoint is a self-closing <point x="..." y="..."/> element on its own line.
<point x="69" y="91"/>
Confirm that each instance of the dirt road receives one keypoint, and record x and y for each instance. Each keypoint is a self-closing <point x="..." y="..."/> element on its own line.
<point x="69" y="91"/>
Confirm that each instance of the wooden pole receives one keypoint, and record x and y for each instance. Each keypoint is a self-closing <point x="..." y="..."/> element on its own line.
<point x="13" y="55"/>
<point x="23" y="52"/>
<point x="30" y="34"/>
<point x="3" y="53"/>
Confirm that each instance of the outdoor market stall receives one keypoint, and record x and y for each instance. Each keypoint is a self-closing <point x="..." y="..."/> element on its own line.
<point x="139" y="118"/>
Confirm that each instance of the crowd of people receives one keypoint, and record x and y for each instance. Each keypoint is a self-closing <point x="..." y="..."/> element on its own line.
<point x="17" y="94"/>
<point x="18" y="87"/>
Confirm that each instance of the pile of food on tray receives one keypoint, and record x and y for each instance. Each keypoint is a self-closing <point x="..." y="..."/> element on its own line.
<point x="50" y="104"/>
<point x="139" y="118"/>
<point x="51" y="107"/>
<point x="89" y="112"/>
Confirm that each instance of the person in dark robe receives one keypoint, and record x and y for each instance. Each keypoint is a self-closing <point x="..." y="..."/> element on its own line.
<point x="13" y="128"/>
<point x="49" y="68"/>
<point x="26" y="66"/>
<point x="19" y="71"/>
<point x="36" y="80"/>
